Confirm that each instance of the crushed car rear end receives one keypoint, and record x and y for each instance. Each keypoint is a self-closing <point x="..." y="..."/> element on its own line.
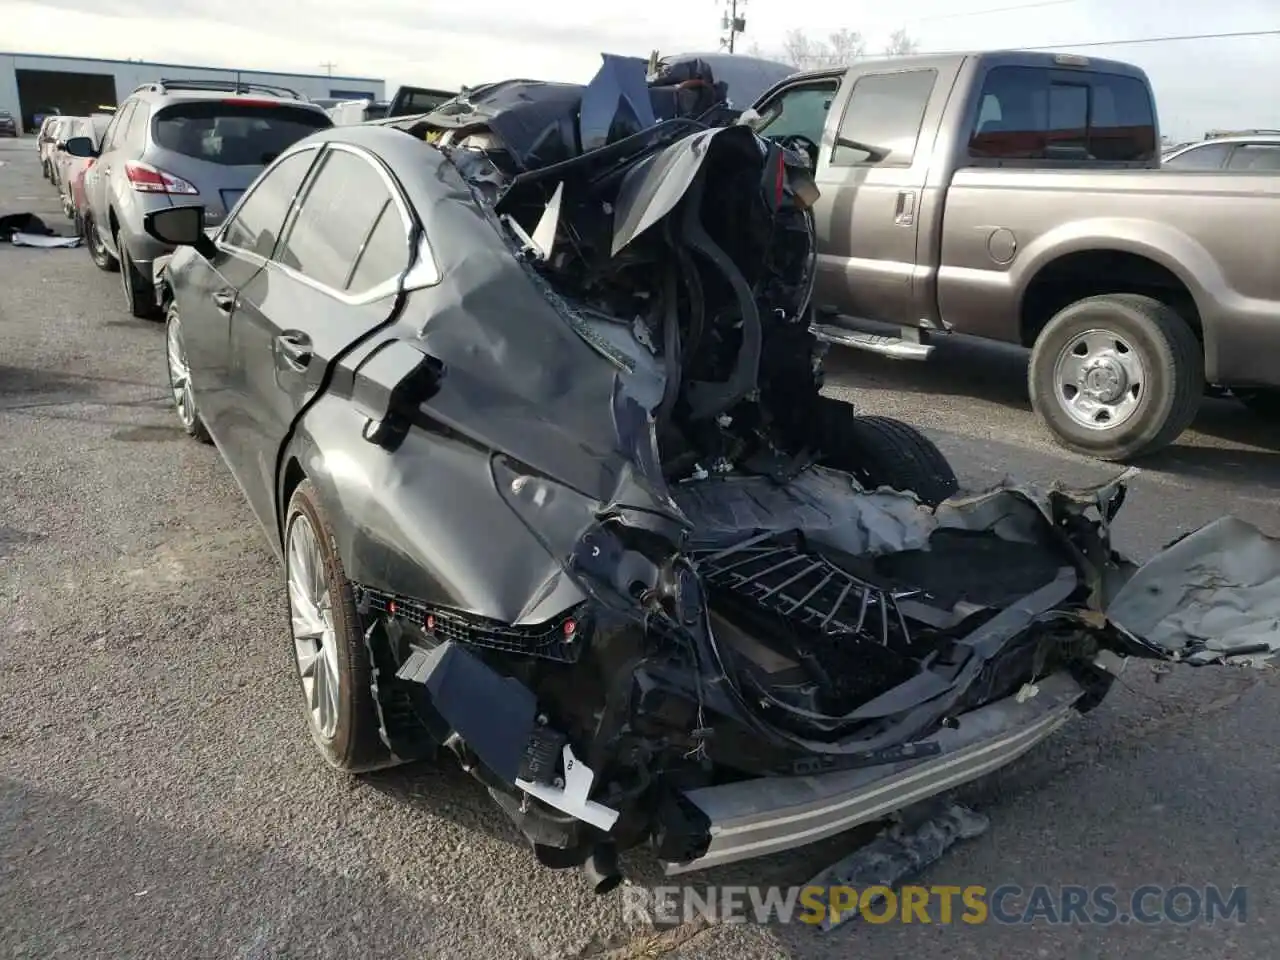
<point x="613" y="549"/>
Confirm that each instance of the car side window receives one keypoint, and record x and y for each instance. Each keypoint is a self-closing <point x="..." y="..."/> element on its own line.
<point x="339" y="212"/>
<point x="112" y="137"/>
<point x="1209" y="157"/>
<point x="883" y="117"/>
<point x="257" y="223"/>
<point x="798" y="111"/>
<point x="1030" y="113"/>
<point x="1255" y="156"/>
<point x="134" y="135"/>
<point x="385" y="252"/>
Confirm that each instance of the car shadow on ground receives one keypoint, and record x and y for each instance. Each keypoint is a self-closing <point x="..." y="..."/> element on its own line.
<point x="85" y="880"/>
<point x="975" y="369"/>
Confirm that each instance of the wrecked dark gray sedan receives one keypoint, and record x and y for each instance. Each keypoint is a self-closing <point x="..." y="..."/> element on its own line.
<point x="525" y="394"/>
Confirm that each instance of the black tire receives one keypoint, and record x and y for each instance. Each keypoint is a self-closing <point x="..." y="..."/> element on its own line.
<point x="1173" y="363"/>
<point x="883" y="452"/>
<point x="139" y="292"/>
<point x="192" y="424"/>
<point x="98" y="253"/>
<point x="1264" y="403"/>
<point x="355" y="744"/>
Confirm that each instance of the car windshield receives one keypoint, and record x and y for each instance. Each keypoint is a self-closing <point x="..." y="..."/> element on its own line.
<point x="233" y="134"/>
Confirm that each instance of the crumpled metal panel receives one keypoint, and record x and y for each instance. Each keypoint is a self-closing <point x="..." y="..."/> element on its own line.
<point x="1213" y="596"/>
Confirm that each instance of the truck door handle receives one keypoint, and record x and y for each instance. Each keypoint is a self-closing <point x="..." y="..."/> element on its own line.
<point x="905" y="214"/>
<point x="226" y="302"/>
<point x="294" y="348"/>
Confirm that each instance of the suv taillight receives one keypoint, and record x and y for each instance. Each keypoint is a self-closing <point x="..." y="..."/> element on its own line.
<point x="145" y="178"/>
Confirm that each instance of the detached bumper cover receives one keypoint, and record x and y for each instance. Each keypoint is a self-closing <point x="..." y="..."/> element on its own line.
<point x="755" y="818"/>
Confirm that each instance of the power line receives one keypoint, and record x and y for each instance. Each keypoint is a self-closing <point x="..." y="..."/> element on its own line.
<point x="980" y="13"/>
<point x="1239" y="34"/>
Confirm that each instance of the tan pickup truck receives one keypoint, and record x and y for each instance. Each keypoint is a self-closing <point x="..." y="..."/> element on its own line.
<point x="1019" y="197"/>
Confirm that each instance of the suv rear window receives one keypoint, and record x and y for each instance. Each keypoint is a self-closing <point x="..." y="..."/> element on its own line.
<point x="233" y="134"/>
<point x="1030" y="113"/>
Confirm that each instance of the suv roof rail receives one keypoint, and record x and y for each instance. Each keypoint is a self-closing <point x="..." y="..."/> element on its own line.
<point x="165" y="84"/>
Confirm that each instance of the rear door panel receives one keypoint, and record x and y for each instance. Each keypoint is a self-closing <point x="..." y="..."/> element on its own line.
<point x="297" y="316"/>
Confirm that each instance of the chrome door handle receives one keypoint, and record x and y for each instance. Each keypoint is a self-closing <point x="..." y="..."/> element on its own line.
<point x="905" y="214"/>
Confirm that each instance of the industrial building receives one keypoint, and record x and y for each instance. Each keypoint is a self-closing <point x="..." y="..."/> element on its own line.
<point x="32" y="85"/>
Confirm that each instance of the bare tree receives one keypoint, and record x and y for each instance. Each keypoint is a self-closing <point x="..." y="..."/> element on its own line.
<point x="900" y="45"/>
<point x="841" y="47"/>
<point x="845" y="46"/>
<point x="801" y="52"/>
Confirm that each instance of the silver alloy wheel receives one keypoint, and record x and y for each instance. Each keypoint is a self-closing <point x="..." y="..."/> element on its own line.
<point x="180" y="375"/>
<point x="315" y="642"/>
<point x="1099" y="379"/>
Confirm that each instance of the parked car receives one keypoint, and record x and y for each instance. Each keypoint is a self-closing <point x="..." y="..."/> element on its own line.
<point x="71" y="169"/>
<point x="536" y="430"/>
<point x="1238" y="152"/>
<point x="951" y="202"/>
<point x="8" y="125"/>
<point x="356" y="111"/>
<point x="180" y="141"/>
<point x="411" y="101"/>
<point x="53" y="131"/>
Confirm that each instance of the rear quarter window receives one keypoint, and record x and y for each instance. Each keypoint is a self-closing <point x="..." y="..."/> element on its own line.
<point x="232" y="134"/>
<point x="1033" y="113"/>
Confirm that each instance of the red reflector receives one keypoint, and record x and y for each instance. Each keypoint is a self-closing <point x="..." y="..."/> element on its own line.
<point x="391" y="608"/>
<point x="248" y="102"/>
<point x="570" y="628"/>
<point x="431" y="621"/>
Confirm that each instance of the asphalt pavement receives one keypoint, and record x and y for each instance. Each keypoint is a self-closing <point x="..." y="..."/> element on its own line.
<point x="160" y="796"/>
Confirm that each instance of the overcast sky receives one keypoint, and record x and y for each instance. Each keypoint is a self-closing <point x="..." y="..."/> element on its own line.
<point x="1199" y="84"/>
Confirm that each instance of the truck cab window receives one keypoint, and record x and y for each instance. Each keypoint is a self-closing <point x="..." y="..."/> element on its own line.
<point x="881" y="124"/>
<point x="1030" y="113"/>
<point x="798" y="111"/>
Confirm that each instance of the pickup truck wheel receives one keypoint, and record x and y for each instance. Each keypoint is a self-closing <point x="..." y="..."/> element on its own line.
<point x="883" y="452"/>
<point x="1116" y="376"/>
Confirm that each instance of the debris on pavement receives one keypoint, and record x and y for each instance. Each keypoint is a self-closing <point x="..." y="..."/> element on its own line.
<point x="901" y="850"/>
<point x="28" y="230"/>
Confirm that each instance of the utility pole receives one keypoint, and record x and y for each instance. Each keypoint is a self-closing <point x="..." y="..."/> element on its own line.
<point x="731" y="23"/>
<point x="329" y="67"/>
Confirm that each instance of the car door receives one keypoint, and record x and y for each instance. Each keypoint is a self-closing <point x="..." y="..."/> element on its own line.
<point x="333" y="279"/>
<point x="207" y="298"/>
<point x="871" y="177"/>
<point x="98" y="191"/>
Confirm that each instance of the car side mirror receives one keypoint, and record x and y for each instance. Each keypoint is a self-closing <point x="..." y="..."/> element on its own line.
<point x="179" y="226"/>
<point x="80" y="147"/>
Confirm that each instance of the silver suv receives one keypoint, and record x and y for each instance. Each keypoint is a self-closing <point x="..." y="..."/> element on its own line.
<point x="179" y="142"/>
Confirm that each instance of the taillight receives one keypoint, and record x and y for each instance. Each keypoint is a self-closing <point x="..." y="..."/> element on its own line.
<point x="145" y="178"/>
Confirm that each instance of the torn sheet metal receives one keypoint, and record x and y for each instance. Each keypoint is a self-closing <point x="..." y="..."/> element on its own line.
<point x="1213" y="596"/>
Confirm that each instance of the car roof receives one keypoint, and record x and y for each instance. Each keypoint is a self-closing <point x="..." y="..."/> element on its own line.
<point x="1267" y="138"/>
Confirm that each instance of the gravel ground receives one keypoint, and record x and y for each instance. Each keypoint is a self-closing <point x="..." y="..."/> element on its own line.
<point x="160" y="797"/>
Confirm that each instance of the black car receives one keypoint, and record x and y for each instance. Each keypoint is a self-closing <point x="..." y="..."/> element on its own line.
<point x="534" y="422"/>
<point x="8" y="125"/>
